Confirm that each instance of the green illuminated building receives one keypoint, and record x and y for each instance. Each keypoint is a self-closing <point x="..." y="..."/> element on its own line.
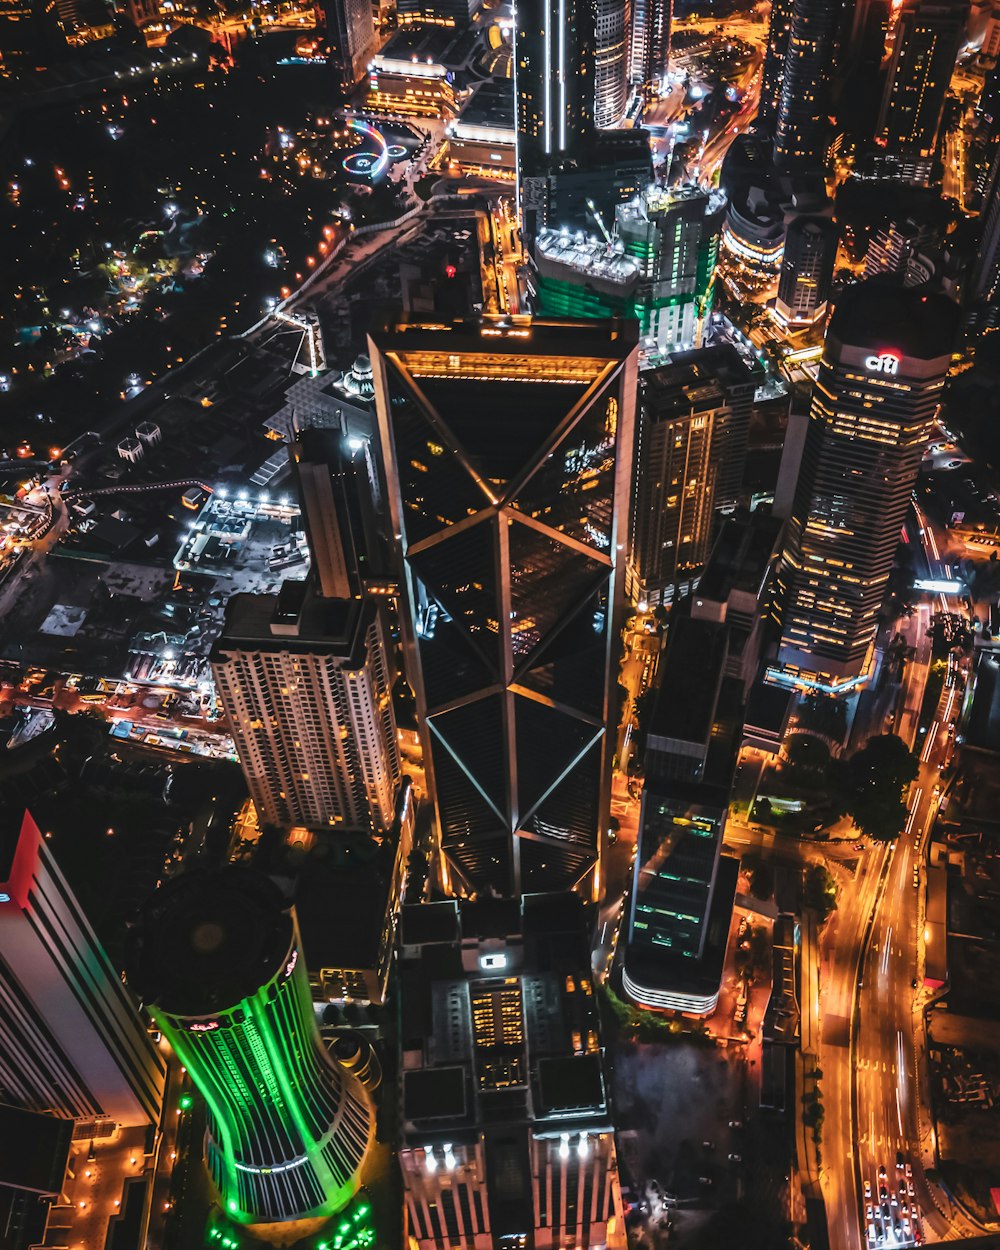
<point x="672" y="234"/>
<point x="216" y="958"/>
<point x="659" y="268"/>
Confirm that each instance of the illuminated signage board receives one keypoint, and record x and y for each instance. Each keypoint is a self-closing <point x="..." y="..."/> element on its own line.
<point x="884" y="362"/>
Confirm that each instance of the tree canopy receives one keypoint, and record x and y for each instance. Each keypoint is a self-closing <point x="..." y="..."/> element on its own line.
<point x="870" y="786"/>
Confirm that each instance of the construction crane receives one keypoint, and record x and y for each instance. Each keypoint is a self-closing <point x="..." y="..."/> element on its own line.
<point x="600" y="223"/>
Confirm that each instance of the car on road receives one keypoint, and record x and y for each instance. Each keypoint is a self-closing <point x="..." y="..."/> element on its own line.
<point x="704" y="1180"/>
<point x="899" y="1161"/>
<point x="908" y="1172"/>
<point x="868" y="1189"/>
<point x="881" y="1171"/>
<point x="735" y="1123"/>
<point x="733" y="1158"/>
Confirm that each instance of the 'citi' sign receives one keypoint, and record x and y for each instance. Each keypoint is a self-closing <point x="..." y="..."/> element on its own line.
<point x="885" y="362"/>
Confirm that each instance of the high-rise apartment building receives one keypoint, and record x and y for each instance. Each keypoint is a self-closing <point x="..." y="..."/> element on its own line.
<point x="305" y="676"/>
<point x="216" y="957"/>
<point x="806" y="272"/>
<point x="673" y="235"/>
<point x="506" y="1129"/>
<point x="71" y="1039"/>
<point x="881" y="378"/>
<point x="350" y="32"/>
<point x="927" y="38"/>
<point x="650" y="46"/>
<point x="554" y="49"/>
<point x="611" y="61"/>
<point x="691" y="437"/>
<point x="507" y="448"/>
<point x="802" y="125"/>
<point x="778" y="31"/>
<point x="306" y="683"/>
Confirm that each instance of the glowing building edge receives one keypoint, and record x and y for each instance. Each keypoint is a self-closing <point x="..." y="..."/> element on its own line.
<point x="287" y="1128"/>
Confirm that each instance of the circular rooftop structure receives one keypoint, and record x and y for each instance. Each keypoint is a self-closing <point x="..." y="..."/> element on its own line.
<point x="208" y="939"/>
<point x="359" y="379"/>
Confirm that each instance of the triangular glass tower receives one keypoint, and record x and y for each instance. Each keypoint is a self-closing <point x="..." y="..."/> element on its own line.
<point x="507" y="449"/>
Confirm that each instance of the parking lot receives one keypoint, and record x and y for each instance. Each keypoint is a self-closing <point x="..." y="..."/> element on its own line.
<point x="688" y="1152"/>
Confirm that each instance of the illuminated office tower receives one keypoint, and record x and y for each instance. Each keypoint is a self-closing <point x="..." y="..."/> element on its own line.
<point x="880" y="383"/>
<point x="691" y="437"/>
<point x="806" y="272"/>
<point x="554" y="48"/>
<point x="802" y="123"/>
<point x="925" y="47"/>
<point x="610" y="61"/>
<point x="215" y="956"/>
<point x="650" y="42"/>
<point x="71" y="1039"/>
<point x="774" y="63"/>
<point x="351" y="35"/>
<point x="507" y="448"/>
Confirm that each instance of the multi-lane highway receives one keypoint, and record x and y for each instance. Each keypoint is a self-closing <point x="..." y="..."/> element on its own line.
<point x="875" y="1187"/>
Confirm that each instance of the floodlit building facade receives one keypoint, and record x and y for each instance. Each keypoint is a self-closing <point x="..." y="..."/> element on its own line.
<point x="72" y="1041"/>
<point x="507" y="448"/>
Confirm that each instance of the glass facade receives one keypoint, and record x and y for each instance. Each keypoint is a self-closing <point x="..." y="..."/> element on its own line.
<point x="512" y="606"/>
